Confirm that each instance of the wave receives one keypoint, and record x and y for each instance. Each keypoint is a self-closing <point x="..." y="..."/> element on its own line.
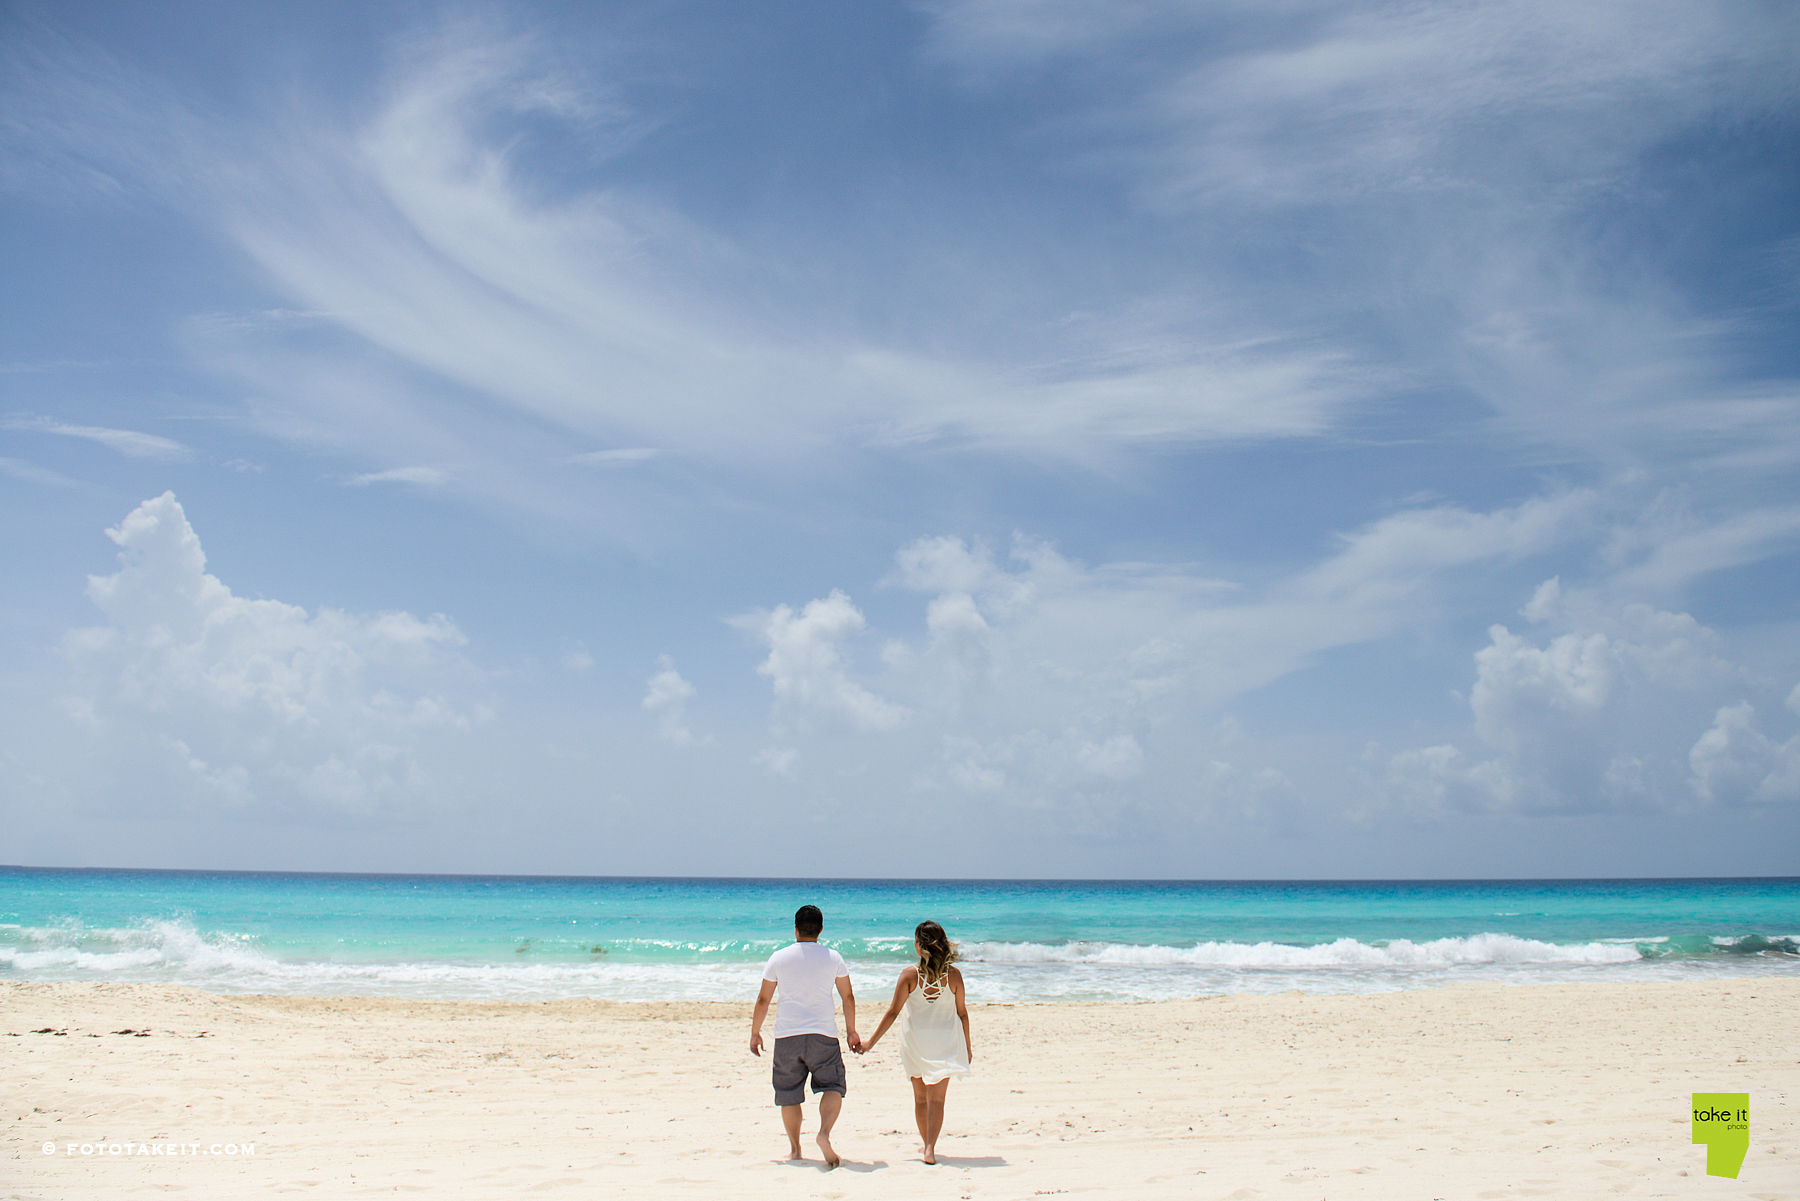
<point x="1345" y="952"/>
<point x="1488" y="948"/>
<point x="175" y="952"/>
<point x="1685" y="945"/>
<point x="147" y="945"/>
<point x="177" y="941"/>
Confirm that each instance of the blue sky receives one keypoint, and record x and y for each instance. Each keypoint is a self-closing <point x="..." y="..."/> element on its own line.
<point x="997" y="437"/>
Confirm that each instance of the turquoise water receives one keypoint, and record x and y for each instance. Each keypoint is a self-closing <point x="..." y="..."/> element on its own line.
<point x="539" y="937"/>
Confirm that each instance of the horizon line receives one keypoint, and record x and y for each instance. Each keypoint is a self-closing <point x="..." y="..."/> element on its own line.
<point x="20" y="867"/>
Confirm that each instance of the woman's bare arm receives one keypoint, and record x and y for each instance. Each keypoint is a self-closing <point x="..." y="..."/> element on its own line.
<point x="962" y="1011"/>
<point x="902" y="986"/>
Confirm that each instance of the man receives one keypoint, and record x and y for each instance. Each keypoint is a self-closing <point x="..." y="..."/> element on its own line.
<point x="806" y="1042"/>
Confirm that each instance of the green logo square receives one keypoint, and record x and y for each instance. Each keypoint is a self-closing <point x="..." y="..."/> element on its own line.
<point x="1722" y="1122"/>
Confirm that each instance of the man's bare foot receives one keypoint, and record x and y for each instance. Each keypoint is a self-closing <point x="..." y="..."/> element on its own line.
<point x="831" y="1157"/>
<point x="794" y="1151"/>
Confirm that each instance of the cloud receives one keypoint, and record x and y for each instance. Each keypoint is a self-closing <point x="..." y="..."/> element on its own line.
<point x="1395" y="555"/>
<point x="1036" y="677"/>
<point x="1066" y="762"/>
<point x="1263" y="797"/>
<point x="667" y="698"/>
<point x="1044" y="675"/>
<point x="1134" y="631"/>
<point x="1480" y="171"/>
<point x="1447" y="167"/>
<point x="806" y="667"/>
<point x="608" y="312"/>
<point x="1325" y="99"/>
<point x="778" y="760"/>
<point x="427" y="477"/>
<point x="130" y="443"/>
<point x="226" y="701"/>
<point x="1025" y="661"/>
<point x="1735" y="763"/>
<point x="614" y="458"/>
<point x="1395" y="97"/>
<point x="1596" y="719"/>
<point x="425" y="233"/>
<point x="1687" y="548"/>
<point x="31" y="473"/>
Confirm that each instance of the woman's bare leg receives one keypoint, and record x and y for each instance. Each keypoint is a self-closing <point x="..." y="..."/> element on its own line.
<point x="919" y="1111"/>
<point x="928" y="1107"/>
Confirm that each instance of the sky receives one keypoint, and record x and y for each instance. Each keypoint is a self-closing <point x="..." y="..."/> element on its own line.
<point x="963" y="438"/>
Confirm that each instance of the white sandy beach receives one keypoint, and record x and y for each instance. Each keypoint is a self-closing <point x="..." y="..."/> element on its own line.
<point x="1487" y="1092"/>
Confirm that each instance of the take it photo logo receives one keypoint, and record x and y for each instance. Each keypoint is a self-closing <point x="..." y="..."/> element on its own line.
<point x="1722" y="1122"/>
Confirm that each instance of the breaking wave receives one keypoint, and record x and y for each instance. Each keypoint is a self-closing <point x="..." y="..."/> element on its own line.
<point x="173" y="951"/>
<point x="1345" y="952"/>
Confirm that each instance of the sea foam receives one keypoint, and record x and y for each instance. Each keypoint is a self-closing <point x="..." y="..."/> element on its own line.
<point x="174" y="951"/>
<point x="1344" y="952"/>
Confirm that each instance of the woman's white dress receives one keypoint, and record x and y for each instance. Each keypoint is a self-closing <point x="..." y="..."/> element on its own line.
<point x="931" y="1035"/>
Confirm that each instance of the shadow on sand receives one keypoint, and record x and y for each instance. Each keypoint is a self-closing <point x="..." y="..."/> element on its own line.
<point x="971" y="1161"/>
<point x="877" y="1165"/>
<point x="848" y="1165"/>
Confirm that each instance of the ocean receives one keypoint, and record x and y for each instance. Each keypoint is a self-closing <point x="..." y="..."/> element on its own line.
<point x="536" y="938"/>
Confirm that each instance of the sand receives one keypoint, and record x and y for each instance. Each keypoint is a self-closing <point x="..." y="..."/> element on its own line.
<point x="1485" y="1092"/>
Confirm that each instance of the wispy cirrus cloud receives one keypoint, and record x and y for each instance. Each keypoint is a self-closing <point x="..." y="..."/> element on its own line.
<point x="1461" y="161"/>
<point x="1454" y="159"/>
<point x="31" y="473"/>
<point x="418" y="232"/>
<point x="608" y="314"/>
<point x="1322" y="100"/>
<point x="614" y="458"/>
<point x="130" y="443"/>
<point x="428" y="477"/>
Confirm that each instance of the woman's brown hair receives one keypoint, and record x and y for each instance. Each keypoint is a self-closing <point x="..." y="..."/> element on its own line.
<point x="936" y="952"/>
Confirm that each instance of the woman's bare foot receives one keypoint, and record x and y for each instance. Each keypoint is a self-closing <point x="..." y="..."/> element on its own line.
<point x="929" y="1155"/>
<point x="831" y="1157"/>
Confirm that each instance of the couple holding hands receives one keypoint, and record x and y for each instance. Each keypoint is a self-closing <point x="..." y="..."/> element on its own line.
<point x="928" y="1002"/>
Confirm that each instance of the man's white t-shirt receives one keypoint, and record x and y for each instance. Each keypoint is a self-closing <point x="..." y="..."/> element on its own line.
<point x="806" y="976"/>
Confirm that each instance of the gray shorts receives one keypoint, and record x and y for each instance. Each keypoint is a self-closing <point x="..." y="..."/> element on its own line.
<point x="801" y="1055"/>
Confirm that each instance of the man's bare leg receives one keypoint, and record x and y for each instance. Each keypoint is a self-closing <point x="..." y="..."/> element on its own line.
<point x="790" y="1118"/>
<point x="829" y="1104"/>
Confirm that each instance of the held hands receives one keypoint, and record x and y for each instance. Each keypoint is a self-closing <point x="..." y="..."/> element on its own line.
<point x="856" y="1043"/>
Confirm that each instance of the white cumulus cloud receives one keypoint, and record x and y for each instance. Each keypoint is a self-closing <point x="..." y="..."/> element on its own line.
<point x="239" y="701"/>
<point x="806" y="666"/>
<point x="667" y="697"/>
<point x="1734" y="762"/>
<point x="1597" y="718"/>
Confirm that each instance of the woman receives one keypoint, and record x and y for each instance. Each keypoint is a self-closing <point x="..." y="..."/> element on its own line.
<point x="934" y="1029"/>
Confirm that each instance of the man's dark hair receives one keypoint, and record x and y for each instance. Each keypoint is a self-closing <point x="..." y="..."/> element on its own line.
<point x="808" y="921"/>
